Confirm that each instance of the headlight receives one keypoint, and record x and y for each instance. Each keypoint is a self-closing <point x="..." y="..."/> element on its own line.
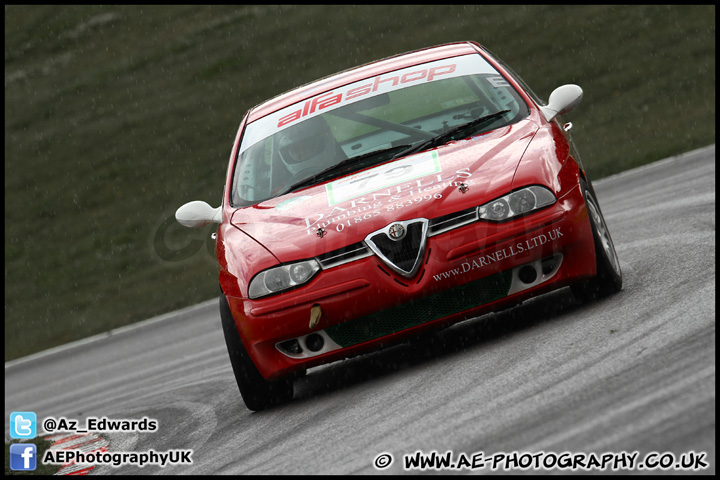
<point x="284" y="277"/>
<point x="517" y="203"/>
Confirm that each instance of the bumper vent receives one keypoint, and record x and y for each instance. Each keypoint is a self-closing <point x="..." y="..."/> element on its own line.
<point x="423" y="310"/>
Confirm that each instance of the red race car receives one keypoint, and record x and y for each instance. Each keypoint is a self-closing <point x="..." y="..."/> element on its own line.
<point x="396" y="197"/>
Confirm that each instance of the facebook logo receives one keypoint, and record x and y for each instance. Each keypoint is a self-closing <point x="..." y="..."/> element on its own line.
<point x="23" y="425"/>
<point x="23" y="457"/>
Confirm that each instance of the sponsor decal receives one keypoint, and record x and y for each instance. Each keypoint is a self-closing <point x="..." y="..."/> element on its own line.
<point x="392" y="198"/>
<point x="292" y="202"/>
<point x="380" y="84"/>
<point x="384" y="176"/>
<point x="496" y="256"/>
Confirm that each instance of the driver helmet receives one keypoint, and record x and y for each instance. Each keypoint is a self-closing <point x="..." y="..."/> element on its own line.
<point x="309" y="144"/>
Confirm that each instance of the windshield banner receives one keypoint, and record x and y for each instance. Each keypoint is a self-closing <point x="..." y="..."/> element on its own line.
<point x="368" y="88"/>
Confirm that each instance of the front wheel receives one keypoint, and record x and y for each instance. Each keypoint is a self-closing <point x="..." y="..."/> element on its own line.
<point x="609" y="277"/>
<point x="257" y="393"/>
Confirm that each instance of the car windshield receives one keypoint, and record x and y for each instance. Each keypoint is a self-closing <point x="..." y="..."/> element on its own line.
<point x="370" y="122"/>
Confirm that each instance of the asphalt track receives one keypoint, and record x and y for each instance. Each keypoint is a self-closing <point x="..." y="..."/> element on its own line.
<point x="634" y="372"/>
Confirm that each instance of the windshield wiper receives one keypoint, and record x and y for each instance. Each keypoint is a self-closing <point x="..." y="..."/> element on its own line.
<point x="347" y="165"/>
<point x="449" y="134"/>
<point x="361" y="161"/>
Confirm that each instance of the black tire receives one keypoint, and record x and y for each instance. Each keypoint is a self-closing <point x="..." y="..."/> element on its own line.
<point x="609" y="278"/>
<point x="257" y="393"/>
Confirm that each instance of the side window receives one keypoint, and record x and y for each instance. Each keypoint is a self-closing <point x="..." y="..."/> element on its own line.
<point x="253" y="175"/>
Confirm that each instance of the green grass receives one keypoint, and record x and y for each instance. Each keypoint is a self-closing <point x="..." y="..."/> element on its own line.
<point x="42" y="469"/>
<point x="117" y="115"/>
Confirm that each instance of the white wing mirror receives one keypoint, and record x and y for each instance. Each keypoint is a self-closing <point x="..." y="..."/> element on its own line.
<point x="197" y="214"/>
<point x="562" y="100"/>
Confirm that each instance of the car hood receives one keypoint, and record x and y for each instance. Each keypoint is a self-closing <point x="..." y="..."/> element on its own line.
<point x="335" y="214"/>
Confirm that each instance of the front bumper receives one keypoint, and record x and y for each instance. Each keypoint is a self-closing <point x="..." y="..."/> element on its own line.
<point x="466" y="272"/>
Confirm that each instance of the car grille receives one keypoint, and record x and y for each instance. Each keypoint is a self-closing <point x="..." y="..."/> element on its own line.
<point x="403" y="253"/>
<point x="423" y="310"/>
<point x="343" y="255"/>
<point x="453" y="220"/>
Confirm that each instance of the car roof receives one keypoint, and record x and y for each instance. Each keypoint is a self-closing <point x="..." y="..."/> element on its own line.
<point x="368" y="70"/>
